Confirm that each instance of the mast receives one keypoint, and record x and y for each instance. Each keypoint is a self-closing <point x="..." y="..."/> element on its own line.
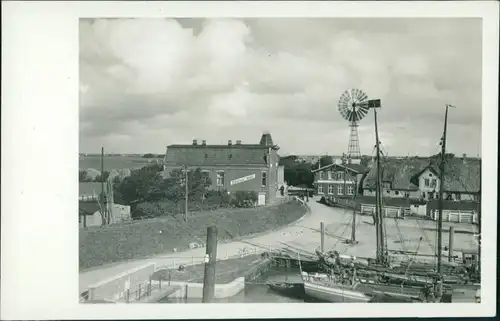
<point x="479" y="222"/>
<point x="441" y="187"/>
<point x="353" y="233"/>
<point x="378" y="210"/>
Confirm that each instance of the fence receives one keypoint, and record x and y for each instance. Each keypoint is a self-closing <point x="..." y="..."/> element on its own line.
<point x="388" y="211"/>
<point x="143" y="290"/>
<point x="88" y="198"/>
<point x="456" y="216"/>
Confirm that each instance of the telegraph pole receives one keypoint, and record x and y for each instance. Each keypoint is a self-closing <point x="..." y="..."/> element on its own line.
<point x="186" y="191"/>
<point x="103" y="197"/>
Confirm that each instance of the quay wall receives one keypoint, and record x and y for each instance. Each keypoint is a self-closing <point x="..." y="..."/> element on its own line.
<point x="115" y="287"/>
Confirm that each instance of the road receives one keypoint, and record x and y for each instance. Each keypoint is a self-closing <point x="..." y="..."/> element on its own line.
<point x="303" y="234"/>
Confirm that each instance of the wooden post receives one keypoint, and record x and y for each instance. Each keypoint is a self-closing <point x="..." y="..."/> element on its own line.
<point x="322" y="228"/>
<point x="209" y="277"/>
<point x="450" y="244"/>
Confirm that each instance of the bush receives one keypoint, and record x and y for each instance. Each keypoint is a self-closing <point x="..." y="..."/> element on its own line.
<point x="244" y="198"/>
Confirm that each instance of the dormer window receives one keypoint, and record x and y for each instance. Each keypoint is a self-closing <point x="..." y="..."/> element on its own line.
<point x="230" y="156"/>
<point x="206" y="155"/>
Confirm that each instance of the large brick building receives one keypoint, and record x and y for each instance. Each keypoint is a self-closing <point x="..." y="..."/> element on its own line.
<point x="232" y="167"/>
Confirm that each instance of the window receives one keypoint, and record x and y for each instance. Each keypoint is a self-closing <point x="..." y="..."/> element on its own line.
<point x="340" y="190"/>
<point x="339" y="176"/>
<point x="426" y="182"/>
<point x="433" y="182"/>
<point x="396" y="192"/>
<point x="320" y="189"/>
<point x="350" y="190"/>
<point x="264" y="179"/>
<point x="330" y="189"/>
<point x="205" y="175"/>
<point x="329" y="175"/>
<point x="320" y="175"/>
<point x="220" y="178"/>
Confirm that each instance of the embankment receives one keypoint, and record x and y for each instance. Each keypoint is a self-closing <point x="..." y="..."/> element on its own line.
<point x="116" y="243"/>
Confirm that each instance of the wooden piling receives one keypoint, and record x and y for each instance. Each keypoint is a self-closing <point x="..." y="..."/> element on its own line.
<point x="322" y="228"/>
<point x="450" y="244"/>
<point x="209" y="277"/>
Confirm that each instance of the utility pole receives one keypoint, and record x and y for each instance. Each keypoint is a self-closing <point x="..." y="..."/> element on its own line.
<point x="103" y="197"/>
<point x="441" y="187"/>
<point x="186" y="191"/>
<point x="210" y="263"/>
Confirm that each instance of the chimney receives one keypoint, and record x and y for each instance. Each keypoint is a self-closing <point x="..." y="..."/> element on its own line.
<point x="204" y="142"/>
<point x="195" y="142"/>
<point x="238" y="142"/>
<point x="229" y="142"/>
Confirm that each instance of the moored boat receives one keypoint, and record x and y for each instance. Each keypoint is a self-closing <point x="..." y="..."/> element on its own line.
<point x="295" y="290"/>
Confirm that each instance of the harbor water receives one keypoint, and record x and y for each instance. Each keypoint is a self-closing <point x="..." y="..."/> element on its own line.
<point x="257" y="291"/>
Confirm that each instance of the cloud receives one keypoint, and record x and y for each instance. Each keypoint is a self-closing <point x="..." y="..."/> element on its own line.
<point x="147" y="83"/>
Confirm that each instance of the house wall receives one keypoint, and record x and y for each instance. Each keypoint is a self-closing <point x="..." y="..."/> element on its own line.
<point x="420" y="210"/>
<point x="235" y="172"/>
<point x="91" y="220"/>
<point x="430" y="176"/>
<point x="339" y="185"/>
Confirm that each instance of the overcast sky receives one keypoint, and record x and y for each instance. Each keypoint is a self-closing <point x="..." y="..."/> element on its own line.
<point x="148" y="83"/>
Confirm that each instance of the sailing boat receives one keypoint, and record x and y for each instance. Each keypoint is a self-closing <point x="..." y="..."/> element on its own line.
<point x="343" y="284"/>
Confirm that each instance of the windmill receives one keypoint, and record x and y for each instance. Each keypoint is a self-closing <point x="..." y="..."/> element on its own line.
<point x="353" y="106"/>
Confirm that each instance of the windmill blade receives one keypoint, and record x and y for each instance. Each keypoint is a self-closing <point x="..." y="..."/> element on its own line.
<point x="363" y="97"/>
<point x="362" y="112"/>
<point x="358" y="114"/>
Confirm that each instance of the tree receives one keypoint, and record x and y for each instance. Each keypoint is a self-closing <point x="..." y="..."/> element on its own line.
<point x="82" y="176"/>
<point x="141" y="185"/>
<point x="323" y="161"/>
<point x="103" y="177"/>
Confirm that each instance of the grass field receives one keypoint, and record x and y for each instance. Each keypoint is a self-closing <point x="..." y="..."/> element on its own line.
<point x="115" y="243"/>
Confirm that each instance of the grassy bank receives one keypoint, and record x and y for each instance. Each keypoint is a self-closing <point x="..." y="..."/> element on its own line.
<point x="115" y="243"/>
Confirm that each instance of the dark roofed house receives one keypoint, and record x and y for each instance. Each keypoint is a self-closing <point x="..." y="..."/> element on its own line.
<point x="231" y="167"/>
<point x="417" y="177"/>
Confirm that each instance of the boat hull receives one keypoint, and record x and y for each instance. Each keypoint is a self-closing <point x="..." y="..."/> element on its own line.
<point x="334" y="294"/>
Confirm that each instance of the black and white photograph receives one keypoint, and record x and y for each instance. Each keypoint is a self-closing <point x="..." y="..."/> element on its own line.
<point x="279" y="159"/>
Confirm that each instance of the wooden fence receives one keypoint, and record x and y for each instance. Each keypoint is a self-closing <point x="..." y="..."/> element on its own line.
<point x="388" y="211"/>
<point x="456" y="216"/>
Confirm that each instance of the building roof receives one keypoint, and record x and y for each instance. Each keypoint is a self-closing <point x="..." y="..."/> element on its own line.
<point x="213" y="155"/>
<point x="89" y="188"/>
<point x="356" y="168"/>
<point x="461" y="174"/>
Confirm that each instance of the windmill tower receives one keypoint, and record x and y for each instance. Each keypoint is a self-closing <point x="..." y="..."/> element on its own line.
<point x="353" y="106"/>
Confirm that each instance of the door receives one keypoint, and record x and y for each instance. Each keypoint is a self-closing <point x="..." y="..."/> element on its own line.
<point x="262" y="199"/>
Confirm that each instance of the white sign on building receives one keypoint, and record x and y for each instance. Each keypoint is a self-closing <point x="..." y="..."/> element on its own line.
<point x="242" y="179"/>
